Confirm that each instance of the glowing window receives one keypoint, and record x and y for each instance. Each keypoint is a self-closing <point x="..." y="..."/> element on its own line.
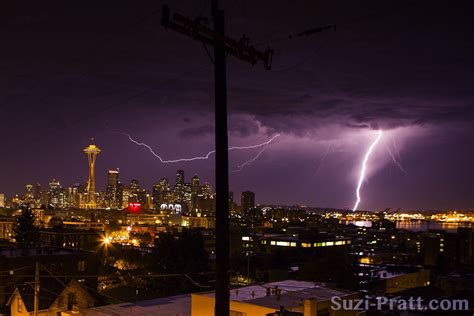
<point x="282" y="243"/>
<point x="305" y="245"/>
<point x="329" y="243"/>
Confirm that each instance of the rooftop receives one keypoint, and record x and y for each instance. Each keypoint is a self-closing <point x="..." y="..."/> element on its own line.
<point x="292" y="293"/>
<point x="28" y="252"/>
<point x="166" y="306"/>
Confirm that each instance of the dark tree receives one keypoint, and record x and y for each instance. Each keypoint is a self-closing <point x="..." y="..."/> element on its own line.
<point x="56" y="222"/>
<point x="180" y="253"/>
<point x="25" y="231"/>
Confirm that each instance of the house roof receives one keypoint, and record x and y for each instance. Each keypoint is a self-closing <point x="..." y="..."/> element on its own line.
<point x="293" y="293"/>
<point x="50" y="289"/>
<point x="165" y="306"/>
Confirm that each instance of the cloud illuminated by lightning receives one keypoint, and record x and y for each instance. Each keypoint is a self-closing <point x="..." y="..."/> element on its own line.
<point x="364" y="168"/>
<point x="197" y="157"/>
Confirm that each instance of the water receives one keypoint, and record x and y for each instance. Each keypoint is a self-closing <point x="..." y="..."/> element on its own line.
<point x="424" y="226"/>
<point x="418" y="226"/>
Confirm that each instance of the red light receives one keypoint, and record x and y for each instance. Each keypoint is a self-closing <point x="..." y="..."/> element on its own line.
<point x="134" y="207"/>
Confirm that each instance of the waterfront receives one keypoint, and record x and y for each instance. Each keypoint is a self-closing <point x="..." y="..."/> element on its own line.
<point x="417" y="226"/>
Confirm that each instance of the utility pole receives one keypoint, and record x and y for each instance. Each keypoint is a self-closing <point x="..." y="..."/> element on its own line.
<point x="222" y="296"/>
<point x="241" y="49"/>
<point x="37" y="288"/>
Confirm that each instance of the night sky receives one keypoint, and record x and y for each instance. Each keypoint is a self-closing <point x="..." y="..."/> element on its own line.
<point x="71" y="71"/>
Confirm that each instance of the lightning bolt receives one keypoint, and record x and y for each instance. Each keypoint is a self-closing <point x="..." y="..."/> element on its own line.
<point x="198" y="157"/>
<point x="323" y="158"/>
<point x="394" y="159"/>
<point x="250" y="161"/>
<point x="364" y="167"/>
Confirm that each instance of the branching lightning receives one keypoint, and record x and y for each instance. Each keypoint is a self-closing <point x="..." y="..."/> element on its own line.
<point x="323" y="158"/>
<point x="394" y="159"/>
<point x="250" y="161"/>
<point x="364" y="167"/>
<point x="264" y="144"/>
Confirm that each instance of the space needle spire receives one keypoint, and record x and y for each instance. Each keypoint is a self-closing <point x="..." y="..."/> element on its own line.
<point x="91" y="151"/>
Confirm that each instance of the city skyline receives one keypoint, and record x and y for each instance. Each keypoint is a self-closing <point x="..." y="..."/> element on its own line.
<point x="325" y="96"/>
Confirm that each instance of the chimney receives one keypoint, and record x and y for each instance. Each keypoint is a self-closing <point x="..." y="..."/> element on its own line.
<point x="268" y="291"/>
<point x="277" y="292"/>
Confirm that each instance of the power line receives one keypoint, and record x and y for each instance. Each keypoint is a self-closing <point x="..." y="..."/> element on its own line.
<point x="81" y="276"/>
<point x="313" y="54"/>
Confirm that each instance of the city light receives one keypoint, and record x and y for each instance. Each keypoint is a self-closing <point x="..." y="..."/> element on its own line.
<point x="107" y="241"/>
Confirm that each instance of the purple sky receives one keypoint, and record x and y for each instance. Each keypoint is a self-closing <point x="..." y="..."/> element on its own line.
<point x="71" y="73"/>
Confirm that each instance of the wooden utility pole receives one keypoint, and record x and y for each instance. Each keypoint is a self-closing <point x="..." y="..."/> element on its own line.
<point x="222" y="296"/>
<point x="37" y="288"/>
<point x="241" y="49"/>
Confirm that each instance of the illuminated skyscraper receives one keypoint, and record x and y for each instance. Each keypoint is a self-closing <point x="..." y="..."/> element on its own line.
<point x="206" y="190"/>
<point x="112" y="190"/>
<point x="91" y="151"/>
<point x="195" y="184"/>
<point x="247" y="201"/>
<point x="180" y="178"/>
<point x="179" y="188"/>
<point x="125" y="196"/>
<point x="54" y="193"/>
<point x="160" y="193"/>
<point x="113" y="178"/>
<point x="28" y="198"/>
<point x="72" y="197"/>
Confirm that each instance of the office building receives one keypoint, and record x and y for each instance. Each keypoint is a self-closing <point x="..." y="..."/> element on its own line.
<point x="247" y="201"/>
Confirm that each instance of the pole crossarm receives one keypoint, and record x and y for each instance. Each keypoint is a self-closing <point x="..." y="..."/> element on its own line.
<point x="200" y="32"/>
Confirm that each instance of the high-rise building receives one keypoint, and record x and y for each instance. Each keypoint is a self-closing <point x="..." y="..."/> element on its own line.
<point x="195" y="184"/>
<point x="195" y="193"/>
<point x="2" y="200"/>
<point x="186" y="197"/>
<point x="231" y="202"/>
<point x="29" y="198"/>
<point x="112" y="190"/>
<point x="134" y="185"/>
<point x="156" y="196"/>
<point x="206" y="190"/>
<point x="247" y="201"/>
<point x="37" y="191"/>
<point x="179" y="188"/>
<point x="29" y="191"/>
<point x="54" y="193"/>
<point x="72" y="196"/>
<point x="91" y="151"/>
<point x="125" y="197"/>
<point x="180" y="178"/>
<point x="113" y="178"/>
